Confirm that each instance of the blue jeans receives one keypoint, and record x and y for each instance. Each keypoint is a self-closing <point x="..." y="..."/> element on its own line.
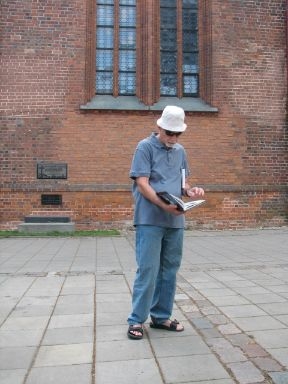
<point x="158" y="257"/>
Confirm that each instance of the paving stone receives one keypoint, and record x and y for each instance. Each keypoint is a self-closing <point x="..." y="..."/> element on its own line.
<point x="71" y="321"/>
<point x="75" y="335"/>
<point x="115" y="308"/>
<point x="15" y="286"/>
<point x="258" y="323"/>
<point x="193" y="315"/>
<point x="254" y="350"/>
<point x="180" y="346"/>
<point x="281" y="355"/>
<point x="46" y="286"/>
<point x="69" y="374"/>
<point x="25" y="323"/>
<point x="265" y="298"/>
<point x="224" y="276"/>
<point x="209" y="311"/>
<point x="210" y="333"/>
<point x="106" y="318"/>
<point x="87" y="280"/>
<point x="242" y="311"/>
<point x="221" y="381"/>
<point x="20" y="338"/>
<point x="282" y="318"/>
<point x="113" y="298"/>
<point x="267" y="364"/>
<point x="140" y="371"/>
<point x="123" y="350"/>
<point x="246" y="373"/>
<point x="69" y="354"/>
<point x="181" y="296"/>
<point x="15" y="376"/>
<point x="275" y="308"/>
<point x="200" y="367"/>
<point x="241" y="340"/>
<point x="196" y="296"/>
<point x="218" y="319"/>
<point x="240" y="283"/>
<point x="16" y="357"/>
<point x="276" y="338"/>
<point x="252" y="290"/>
<point x="279" y="377"/>
<point x="226" y="351"/>
<point x="228" y="329"/>
<point x="202" y="323"/>
<point x="32" y="311"/>
<point x="74" y="304"/>
<point x="205" y="304"/>
<point x="189" y="308"/>
<point x="228" y="300"/>
<point x="217" y="293"/>
<point x="108" y="287"/>
<point x="111" y="332"/>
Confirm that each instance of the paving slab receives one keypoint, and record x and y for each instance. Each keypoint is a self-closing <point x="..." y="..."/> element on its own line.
<point x="69" y="374"/>
<point x="179" y="346"/>
<point x="140" y="371"/>
<point x="71" y="321"/>
<point x="20" y="338"/>
<point x="68" y="354"/>
<point x="279" y="377"/>
<point x="12" y="376"/>
<point x="180" y="369"/>
<point x="16" y="357"/>
<point x="74" y="335"/>
<point x="120" y="350"/>
<point x="246" y="372"/>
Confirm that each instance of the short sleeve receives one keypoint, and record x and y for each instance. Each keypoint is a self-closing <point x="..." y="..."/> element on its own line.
<point x="141" y="162"/>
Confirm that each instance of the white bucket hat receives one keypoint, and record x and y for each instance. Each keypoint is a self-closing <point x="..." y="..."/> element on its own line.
<point x="172" y="119"/>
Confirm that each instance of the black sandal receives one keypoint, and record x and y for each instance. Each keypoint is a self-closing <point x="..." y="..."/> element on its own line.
<point x="133" y="328"/>
<point x="171" y="327"/>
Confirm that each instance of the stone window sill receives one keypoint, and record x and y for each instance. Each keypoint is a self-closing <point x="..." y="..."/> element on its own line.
<point x="132" y="103"/>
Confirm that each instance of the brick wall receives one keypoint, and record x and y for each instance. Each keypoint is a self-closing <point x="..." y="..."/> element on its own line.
<point x="238" y="154"/>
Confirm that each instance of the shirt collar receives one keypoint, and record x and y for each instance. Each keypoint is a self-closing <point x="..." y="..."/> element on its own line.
<point x="158" y="144"/>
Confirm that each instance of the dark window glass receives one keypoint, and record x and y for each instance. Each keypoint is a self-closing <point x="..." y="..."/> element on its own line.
<point x="179" y="62"/>
<point x="116" y="49"/>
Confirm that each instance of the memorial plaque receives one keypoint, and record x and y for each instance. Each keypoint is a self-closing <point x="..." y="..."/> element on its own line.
<point x="51" y="171"/>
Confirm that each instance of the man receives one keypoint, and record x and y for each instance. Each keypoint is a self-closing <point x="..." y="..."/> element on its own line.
<point x="159" y="164"/>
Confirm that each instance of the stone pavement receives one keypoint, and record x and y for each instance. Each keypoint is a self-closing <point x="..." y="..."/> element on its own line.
<point x="64" y="304"/>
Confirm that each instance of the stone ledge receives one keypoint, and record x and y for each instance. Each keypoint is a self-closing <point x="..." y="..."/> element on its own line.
<point x="46" y="227"/>
<point x="132" y="103"/>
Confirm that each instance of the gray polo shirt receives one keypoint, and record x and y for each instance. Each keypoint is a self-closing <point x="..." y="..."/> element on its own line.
<point x="162" y="165"/>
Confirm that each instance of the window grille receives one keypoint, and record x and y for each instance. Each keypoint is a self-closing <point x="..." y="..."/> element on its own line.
<point x="178" y="48"/>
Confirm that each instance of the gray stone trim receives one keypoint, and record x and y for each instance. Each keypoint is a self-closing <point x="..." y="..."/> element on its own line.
<point x="106" y="102"/>
<point x="59" y="187"/>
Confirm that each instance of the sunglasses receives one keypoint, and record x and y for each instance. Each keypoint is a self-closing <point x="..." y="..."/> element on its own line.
<point x="170" y="133"/>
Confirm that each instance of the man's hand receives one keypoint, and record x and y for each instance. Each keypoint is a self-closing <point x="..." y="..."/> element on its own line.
<point x="148" y="192"/>
<point x="195" y="192"/>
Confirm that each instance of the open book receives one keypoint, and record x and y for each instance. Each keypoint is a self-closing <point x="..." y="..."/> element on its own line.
<point x="182" y="206"/>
